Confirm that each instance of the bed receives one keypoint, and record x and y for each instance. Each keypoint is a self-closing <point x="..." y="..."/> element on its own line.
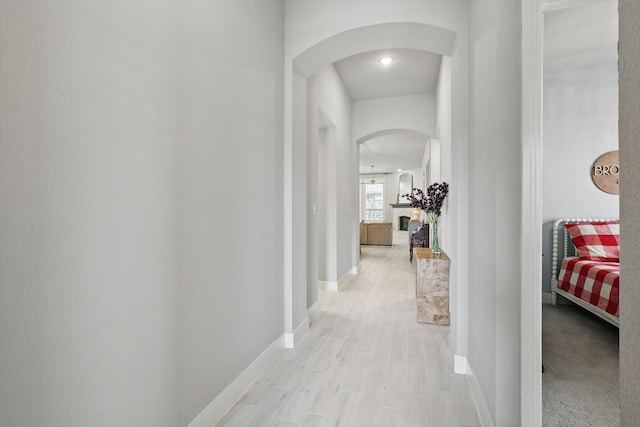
<point x="585" y="265"/>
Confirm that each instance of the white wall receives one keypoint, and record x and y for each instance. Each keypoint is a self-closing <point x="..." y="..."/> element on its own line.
<point x="321" y="200"/>
<point x="580" y="105"/>
<point x="449" y="163"/>
<point x="391" y="184"/>
<point x="229" y="104"/>
<point x="495" y="195"/>
<point x="88" y="218"/>
<point x="124" y="284"/>
<point x="442" y="170"/>
<point x="414" y="112"/>
<point x="630" y="206"/>
<point x="295" y="213"/>
<point x="330" y="189"/>
<point x="425" y="166"/>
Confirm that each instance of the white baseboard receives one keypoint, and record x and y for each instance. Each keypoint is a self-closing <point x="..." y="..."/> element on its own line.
<point x="234" y="391"/>
<point x="344" y="279"/>
<point x="291" y="339"/>
<point x="478" y="398"/>
<point x="330" y="286"/>
<point x="314" y="306"/>
<point x="460" y="364"/>
<point x="325" y="285"/>
<point x="547" y="298"/>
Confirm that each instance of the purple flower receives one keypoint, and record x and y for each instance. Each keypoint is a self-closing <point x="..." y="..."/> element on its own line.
<point x="432" y="201"/>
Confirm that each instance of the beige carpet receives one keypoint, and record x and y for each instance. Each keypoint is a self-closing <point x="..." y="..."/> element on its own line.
<point x="580" y="383"/>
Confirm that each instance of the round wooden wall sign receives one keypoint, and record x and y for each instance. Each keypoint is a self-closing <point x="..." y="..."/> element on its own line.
<point x="606" y="172"/>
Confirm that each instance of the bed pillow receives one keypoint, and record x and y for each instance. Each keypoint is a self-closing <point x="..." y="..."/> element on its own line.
<point x="596" y="241"/>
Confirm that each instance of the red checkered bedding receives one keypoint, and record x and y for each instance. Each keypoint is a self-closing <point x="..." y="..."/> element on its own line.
<point x="595" y="282"/>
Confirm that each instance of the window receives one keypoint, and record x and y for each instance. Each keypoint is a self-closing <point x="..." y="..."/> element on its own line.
<point x="374" y="201"/>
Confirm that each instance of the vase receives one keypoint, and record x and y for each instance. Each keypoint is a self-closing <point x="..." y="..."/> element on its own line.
<point x="435" y="244"/>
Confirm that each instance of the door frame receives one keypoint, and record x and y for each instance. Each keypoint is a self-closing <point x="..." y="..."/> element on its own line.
<point x="531" y="215"/>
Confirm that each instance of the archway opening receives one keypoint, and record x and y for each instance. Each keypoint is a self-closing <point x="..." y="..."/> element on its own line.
<point x="299" y="210"/>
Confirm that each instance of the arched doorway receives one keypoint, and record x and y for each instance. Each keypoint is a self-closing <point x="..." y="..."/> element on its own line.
<point x="362" y="39"/>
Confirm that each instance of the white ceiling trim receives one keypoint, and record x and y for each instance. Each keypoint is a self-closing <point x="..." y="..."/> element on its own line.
<point x="391" y="132"/>
<point x="551" y="5"/>
<point x="391" y="151"/>
<point x="395" y="35"/>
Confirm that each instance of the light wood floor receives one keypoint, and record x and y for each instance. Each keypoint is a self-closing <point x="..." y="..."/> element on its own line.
<point x="365" y="362"/>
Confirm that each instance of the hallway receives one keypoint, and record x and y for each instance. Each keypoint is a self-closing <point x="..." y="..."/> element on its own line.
<point x="365" y="362"/>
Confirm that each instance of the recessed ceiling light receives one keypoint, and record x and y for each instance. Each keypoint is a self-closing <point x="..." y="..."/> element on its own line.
<point x="399" y="170"/>
<point x="386" y="60"/>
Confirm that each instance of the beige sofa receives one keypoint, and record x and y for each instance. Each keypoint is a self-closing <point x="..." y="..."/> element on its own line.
<point x="376" y="233"/>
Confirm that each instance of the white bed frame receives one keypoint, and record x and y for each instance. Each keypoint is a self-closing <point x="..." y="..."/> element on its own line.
<point x="556" y="262"/>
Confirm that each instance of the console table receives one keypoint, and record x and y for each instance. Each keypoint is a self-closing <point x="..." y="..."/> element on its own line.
<point x="432" y="287"/>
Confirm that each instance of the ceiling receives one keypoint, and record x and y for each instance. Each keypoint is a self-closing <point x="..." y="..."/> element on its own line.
<point x="411" y="72"/>
<point x="388" y="153"/>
